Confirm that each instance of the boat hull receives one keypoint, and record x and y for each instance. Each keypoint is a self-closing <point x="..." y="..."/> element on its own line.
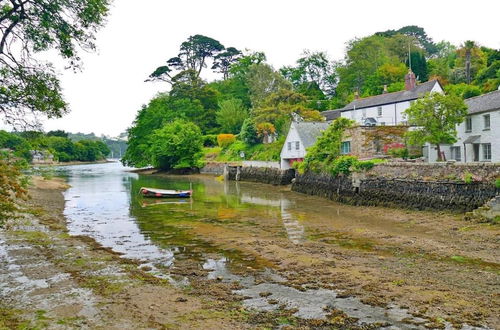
<point x="160" y="193"/>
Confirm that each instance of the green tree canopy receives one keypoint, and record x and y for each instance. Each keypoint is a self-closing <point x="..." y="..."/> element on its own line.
<point x="231" y="115"/>
<point x="178" y="144"/>
<point x="29" y="86"/>
<point x="436" y="117"/>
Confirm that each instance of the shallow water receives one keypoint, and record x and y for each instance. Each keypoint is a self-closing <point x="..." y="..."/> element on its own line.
<point x="103" y="203"/>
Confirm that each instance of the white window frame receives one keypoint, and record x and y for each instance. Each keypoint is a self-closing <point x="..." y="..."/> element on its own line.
<point x="289" y="146"/>
<point x="379" y="111"/>
<point x="343" y="150"/>
<point x="454" y="153"/>
<point x="486" y="122"/>
<point x="297" y="145"/>
<point x="487" y="152"/>
<point x="468" y="124"/>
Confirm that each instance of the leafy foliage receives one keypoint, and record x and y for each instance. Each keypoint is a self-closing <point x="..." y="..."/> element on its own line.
<point x="176" y="145"/>
<point x="231" y="115"/>
<point x="12" y="184"/>
<point x="327" y="147"/>
<point x="29" y="87"/>
<point x="225" y="140"/>
<point x="435" y="116"/>
<point x="248" y="133"/>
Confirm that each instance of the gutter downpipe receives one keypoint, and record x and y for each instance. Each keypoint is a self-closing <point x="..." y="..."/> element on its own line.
<point x="465" y="154"/>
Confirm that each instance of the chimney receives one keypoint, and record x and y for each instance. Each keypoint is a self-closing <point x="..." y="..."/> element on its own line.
<point x="385" y="89"/>
<point x="410" y="81"/>
<point x="356" y="95"/>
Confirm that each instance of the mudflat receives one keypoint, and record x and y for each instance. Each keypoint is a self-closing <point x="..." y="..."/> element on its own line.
<point x="438" y="268"/>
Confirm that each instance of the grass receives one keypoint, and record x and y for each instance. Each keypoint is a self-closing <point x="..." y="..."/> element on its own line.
<point x="263" y="152"/>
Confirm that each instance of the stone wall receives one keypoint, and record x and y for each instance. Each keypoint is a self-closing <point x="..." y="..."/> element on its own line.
<point x="453" y="172"/>
<point x="406" y="193"/>
<point x="262" y="174"/>
<point x="369" y="141"/>
<point x="214" y="168"/>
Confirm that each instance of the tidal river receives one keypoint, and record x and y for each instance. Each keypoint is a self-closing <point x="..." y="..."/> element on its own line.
<point x="281" y="247"/>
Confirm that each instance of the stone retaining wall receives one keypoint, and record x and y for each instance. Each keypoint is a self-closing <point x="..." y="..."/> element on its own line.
<point x="214" y="168"/>
<point x="407" y="193"/>
<point x="484" y="172"/>
<point x="262" y="174"/>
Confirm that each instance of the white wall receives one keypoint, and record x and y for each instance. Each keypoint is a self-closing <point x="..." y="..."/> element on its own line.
<point x="392" y="114"/>
<point x="292" y="137"/>
<point x="491" y="136"/>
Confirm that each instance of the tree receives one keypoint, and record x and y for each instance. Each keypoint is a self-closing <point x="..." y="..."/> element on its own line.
<point x="231" y="115"/>
<point x="28" y="86"/>
<point x="278" y="109"/>
<point x="224" y="60"/>
<point x="314" y="70"/>
<point x="436" y="117"/>
<point x="193" y="56"/>
<point x="176" y="145"/>
<point x="262" y="81"/>
<point x="248" y="133"/>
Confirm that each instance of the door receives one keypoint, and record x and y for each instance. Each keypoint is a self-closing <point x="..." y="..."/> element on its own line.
<point x="475" y="148"/>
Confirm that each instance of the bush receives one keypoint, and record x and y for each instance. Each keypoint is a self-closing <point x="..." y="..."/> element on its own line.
<point x="248" y="133"/>
<point x="497" y="183"/>
<point x="225" y="140"/>
<point x="210" y="140"/>
<point x="12" y="184"/>
<point x="468" y="177"/>
<point x="342" y="165"/>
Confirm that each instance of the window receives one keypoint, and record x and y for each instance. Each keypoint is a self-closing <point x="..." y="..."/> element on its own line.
<point x="289" y="146"/>
<point x="345" y="148"/>
<point x="379" y="111"/>
<point x="456" y="154"/>
<point x="486" y="151"/>
<point x="486" y="121"/>
<point x="468" y="124"/>
<point x="297" y="145"/>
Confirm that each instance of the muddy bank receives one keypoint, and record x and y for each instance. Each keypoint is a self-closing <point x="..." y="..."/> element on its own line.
<point x="49" y="279"/>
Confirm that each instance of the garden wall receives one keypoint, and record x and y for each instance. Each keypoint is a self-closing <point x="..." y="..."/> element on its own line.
<point x="369" y="189"/>
<point x="262" y="174"/>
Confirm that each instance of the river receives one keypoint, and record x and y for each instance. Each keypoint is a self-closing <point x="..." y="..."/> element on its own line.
<point x="213" y="229"/>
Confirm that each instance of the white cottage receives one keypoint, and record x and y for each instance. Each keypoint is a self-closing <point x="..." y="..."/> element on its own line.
<point x="478" y="138"/>
<point x="301" y="136"/>
<point x="388" y="108"/>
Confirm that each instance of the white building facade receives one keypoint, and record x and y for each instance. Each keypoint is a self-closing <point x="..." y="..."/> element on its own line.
<point x="478" y="137"/>
<point x="301" y="136"/>
<point x="388" y="109"/>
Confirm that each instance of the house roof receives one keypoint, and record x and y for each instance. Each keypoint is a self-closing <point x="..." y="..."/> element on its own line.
<point x="486" y="102"/>
<point x="394" y="97"/>
<point x="331" y="114"/>
<point x="310" y="131"/>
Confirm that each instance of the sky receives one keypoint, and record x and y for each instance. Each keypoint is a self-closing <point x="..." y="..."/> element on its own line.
<point x="139" y="36"/>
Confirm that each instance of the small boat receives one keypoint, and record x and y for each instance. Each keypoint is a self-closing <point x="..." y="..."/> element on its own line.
<point x="163" y="193"/>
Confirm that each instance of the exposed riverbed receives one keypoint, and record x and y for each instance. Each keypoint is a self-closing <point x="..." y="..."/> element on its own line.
<point x="281" y="250"/>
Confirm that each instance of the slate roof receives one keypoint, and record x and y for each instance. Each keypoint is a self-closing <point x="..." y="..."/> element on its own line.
<point x="331" y="114"/>
<point x="389" y="98"/>
<point x="310" y="131"/>
<point x="482" y="103"/>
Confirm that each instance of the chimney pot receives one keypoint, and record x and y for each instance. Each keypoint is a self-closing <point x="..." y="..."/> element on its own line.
<point x="410" y="81"/>
<point x="356" y="95"/>
<point x="385" y="89"/>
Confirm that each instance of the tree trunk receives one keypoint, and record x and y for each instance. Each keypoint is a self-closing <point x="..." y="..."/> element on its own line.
<point x="438" y="148"/>
<point x="467" y="65"/>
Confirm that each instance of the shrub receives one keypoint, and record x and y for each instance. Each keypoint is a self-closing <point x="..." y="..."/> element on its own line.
<point x="248" y="133"/>
<point x="363" y="165"/>
<point x="468" y="177"/>
<point x="497" y="183"/>
<point x="210" y="140"/>
<point x="399" y="153"/>
<point x="225" y="140"/>
<point x="342" y="165"/>
<point x="12" y="184"/>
